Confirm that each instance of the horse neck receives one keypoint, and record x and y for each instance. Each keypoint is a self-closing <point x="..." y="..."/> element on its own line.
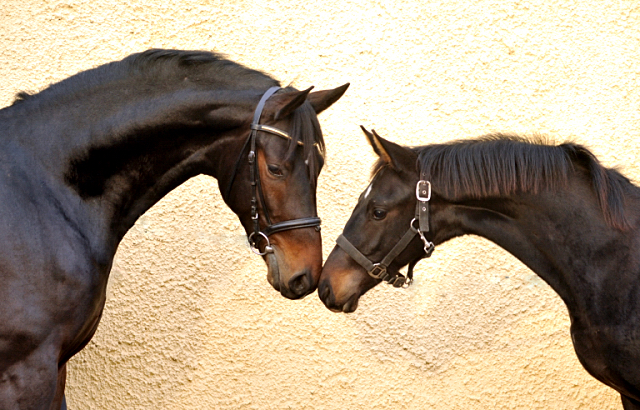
<point x="562" y="236"/>
<point x="110" y="159"/>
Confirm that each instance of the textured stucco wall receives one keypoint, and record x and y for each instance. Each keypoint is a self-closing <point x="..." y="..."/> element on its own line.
<point x="191" y="322"/>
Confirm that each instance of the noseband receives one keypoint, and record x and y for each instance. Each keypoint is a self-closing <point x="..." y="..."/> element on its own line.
<point x="256" y="188"/>
<point x="379" y="270"/>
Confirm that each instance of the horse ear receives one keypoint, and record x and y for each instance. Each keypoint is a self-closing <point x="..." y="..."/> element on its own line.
<point x="321" y="100"/>
<point x="398" y="157"/>
<point x="375" y="144"/>
<point x="286" y="103"/>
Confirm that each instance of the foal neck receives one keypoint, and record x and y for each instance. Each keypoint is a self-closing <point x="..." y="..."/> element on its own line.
<point x="561" y="235"/>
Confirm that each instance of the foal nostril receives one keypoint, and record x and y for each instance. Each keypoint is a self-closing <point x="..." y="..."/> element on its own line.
<point x="323" y="291"/>
<point x="300" y="284"/>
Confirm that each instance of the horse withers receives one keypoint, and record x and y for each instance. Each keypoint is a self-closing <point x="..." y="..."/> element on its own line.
<point x="83" y="159"/>
<point x="569" y="219"/>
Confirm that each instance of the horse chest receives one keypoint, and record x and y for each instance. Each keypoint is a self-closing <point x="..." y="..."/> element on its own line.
<point x="609" y="353"/>
<point x="49" y="274"/>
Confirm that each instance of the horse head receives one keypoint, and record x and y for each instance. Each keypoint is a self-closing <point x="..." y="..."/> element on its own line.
<point x="272" y="187"/>
<point x="381" y="219"/>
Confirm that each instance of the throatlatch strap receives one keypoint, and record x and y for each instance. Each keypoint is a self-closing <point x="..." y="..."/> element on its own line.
<point x="400" y="246"/>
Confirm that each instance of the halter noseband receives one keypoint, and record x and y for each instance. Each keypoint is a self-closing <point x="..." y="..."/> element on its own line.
<point x="379" y="270"/>
<point x="256" y="189"/>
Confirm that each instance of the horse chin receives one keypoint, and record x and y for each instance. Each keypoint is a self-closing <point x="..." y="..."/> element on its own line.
<point x="352" y="304"/>
<point x="328" y="298"/>
<point x="349" y="306"/>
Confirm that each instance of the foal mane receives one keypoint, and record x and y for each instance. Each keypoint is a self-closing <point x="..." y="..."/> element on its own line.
<point x="499" y="165"/>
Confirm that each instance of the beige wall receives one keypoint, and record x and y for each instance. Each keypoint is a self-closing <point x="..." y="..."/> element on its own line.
<point x="190" y="320"/>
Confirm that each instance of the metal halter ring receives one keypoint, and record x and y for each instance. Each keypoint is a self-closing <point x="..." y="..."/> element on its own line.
<point x="254" y="244"/>
<point x="413" y="228"/>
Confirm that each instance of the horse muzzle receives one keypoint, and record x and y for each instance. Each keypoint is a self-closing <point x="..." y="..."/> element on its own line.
<point x="295" y="286"/>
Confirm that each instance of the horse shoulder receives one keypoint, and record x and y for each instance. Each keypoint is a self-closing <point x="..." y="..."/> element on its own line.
<point x="49" y="276"/>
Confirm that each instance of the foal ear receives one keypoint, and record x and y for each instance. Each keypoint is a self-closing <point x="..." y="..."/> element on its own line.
<point x="286" y="103"/>
<point x="398" y="157"/>
<point x="321" y="100"/>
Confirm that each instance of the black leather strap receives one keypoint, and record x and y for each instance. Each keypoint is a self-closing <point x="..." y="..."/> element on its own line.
<point x="400" y="246"/>
<point x="379" y="270"/>
<point x="309" y="222"/>
<point x="354" y="253"/>
<point x="423" y="195"/>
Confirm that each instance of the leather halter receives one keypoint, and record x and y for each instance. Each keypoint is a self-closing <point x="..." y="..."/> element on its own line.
<point x="379" y="270"/>
<point x="256" y="189"/>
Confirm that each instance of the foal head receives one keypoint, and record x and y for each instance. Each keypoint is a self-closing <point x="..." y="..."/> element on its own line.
<point x="382" y="216"/>
<point x="485" y="186"/>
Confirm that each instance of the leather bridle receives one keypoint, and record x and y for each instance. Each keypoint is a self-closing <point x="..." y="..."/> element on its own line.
<point x="379" y="270"/>
<point x="256" y="189"/>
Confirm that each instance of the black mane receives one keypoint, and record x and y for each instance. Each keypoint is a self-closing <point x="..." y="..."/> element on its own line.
<point x="500" y="165"/>
<point x="156" y="67"/>
<point x="142" y="80"/>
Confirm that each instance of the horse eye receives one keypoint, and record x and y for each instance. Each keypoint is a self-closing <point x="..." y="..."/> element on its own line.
<point x="274" y="170"/>
<point x="379" y="214"/>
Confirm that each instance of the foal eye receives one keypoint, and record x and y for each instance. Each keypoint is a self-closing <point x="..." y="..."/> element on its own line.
<point x="379" y="214"/>
<point x="274" y="170"/>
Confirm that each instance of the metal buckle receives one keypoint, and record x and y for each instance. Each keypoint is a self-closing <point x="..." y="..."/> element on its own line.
<point x="423" y="194"/>
<point x="428" y="245"/>
<point x="378" y="271"/>
<point x="253" y="244"/>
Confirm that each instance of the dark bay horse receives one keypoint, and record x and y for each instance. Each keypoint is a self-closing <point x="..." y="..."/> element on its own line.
<point x="569" y="219"/>
<point x="83" y="159"/>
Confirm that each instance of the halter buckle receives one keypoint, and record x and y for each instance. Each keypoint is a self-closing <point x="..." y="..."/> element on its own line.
<point x="378" y="271"/>
<point x="423" y="194"/>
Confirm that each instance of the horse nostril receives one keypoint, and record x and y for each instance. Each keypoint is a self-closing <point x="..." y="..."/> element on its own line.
<point x="324" y="291"/>
<point x="300" y="284"/>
